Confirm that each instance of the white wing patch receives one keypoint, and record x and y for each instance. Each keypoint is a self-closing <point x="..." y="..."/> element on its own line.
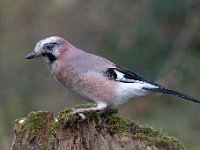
<point x="121" y="77"/>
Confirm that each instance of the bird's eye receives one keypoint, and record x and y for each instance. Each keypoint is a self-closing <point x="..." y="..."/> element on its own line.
<point x="50" y="46"/>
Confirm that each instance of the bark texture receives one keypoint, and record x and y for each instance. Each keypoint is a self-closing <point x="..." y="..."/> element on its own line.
<point x="41" y="131"/>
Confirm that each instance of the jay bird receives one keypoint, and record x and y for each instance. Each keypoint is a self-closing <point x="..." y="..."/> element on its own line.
<point x="93" y="77"/>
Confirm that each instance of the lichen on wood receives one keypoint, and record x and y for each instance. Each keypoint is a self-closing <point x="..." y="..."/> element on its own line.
<point x="107" y="131"/>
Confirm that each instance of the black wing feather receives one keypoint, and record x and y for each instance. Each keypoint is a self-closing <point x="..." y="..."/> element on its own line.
<point x="131" y="77"/>
<point x="173" y="93"/>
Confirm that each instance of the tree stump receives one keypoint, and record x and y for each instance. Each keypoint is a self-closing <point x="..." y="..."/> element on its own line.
<point x="108" y="131"/>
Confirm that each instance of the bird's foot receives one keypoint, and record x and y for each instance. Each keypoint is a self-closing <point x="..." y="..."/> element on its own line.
<point x="79" y="113"/>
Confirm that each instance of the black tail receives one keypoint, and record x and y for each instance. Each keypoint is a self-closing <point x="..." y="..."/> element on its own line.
<point x="173" y="93"/>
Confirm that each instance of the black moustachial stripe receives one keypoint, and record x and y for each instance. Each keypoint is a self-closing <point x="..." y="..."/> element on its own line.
<point x="50" y="56"/>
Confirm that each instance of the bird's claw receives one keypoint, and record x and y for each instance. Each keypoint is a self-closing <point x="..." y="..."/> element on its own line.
<point x="76" y="111"/>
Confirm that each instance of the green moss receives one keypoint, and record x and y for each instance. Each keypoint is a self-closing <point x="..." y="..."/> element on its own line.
<point x="68" y="119"/>
<point x="85" y="105"/>
<point x="116" y="125"/>
<point x="110" y="122"/>
<point x="54" y="126"/>
<point x="34" y="121"/>
<point x="122" y="126"/>
<point x="157" y="138"/>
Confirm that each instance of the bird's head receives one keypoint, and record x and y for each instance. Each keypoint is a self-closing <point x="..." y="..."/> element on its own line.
<point x="51" y="48"/>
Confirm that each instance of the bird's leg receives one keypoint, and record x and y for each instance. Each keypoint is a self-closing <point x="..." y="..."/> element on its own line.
<point x="80" y="111"/>
<point x="109" y="111"/>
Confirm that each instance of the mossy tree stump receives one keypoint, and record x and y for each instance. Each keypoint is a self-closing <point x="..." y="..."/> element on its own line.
<point x="41" y="131"/>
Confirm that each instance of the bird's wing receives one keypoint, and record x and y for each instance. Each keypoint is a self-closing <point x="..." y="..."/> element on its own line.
<point x="121" y="74"/>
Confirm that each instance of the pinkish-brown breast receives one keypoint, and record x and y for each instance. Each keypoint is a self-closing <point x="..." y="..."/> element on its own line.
<point x="95" y="87"/>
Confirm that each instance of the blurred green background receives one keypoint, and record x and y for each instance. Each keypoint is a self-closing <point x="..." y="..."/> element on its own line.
<point x="158" y="39"/>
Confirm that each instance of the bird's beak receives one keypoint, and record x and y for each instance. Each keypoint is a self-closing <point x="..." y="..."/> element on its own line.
<point x="33" y="55"/>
